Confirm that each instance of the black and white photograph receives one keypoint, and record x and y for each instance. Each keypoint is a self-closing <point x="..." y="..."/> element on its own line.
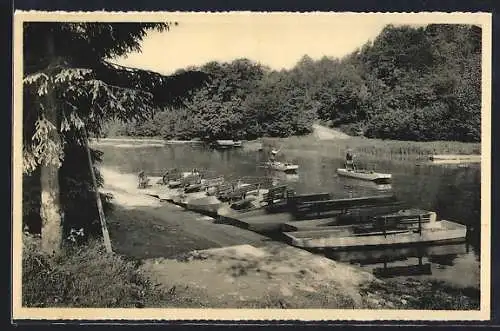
<point x="251" y="165"/>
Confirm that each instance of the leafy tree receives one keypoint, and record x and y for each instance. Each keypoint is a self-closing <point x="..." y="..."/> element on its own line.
<point x="279" y="108"/>
<point x="428" y="73"/>
<point x="217" y="109"/>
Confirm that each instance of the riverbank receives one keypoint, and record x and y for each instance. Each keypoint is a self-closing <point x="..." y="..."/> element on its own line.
<point x="204" y="264"/>
<point x="333" y="143"/>
<point x="137" y="142"/>
<point x="373" y="149"/>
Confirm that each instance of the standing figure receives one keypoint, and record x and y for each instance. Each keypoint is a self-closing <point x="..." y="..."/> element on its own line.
<point x="272" y="156"/>
<point x="143" y="179"/>
<point x="164" y="177"/>
<point x="349" y="160"/>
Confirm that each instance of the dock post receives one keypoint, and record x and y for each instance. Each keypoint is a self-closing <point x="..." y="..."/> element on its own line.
<point x="420" y="224"/>
<point x="384" y="227"/>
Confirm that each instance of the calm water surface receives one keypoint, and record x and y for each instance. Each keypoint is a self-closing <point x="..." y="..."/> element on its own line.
<point x="453" y="192"/>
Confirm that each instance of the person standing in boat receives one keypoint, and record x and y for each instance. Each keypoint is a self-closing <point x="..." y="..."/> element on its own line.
<point x="349" y="160"/>
<point x="143" y="179"/>
<point x="272" y="155"/>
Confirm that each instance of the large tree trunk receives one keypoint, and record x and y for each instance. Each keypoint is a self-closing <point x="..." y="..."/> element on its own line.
<point x="50" y="207"/>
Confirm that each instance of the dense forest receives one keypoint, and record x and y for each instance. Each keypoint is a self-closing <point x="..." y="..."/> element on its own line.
<point x="410" y="83"/>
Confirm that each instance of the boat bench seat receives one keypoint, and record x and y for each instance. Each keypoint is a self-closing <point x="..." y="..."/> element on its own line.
<point x="275" y="193"/>
<point x="228" y="193"/>
<point x="213" y="181"/>
<point x="299" y="199"/>
<point x="365" y="212"/>
<point x="341" y="206"/>
<point x="277" y="198"/>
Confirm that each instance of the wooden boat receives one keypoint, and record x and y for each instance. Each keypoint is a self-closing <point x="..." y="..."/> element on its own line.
<point x="194" y="187"/>
<point x="344" y="237"/>
<point x="205" y="205"/>
<point x="320" y="205"/>
<point x="176" y="178"/>
<point x="455" y="158"/>
<point x="238" y="191"/>
<point x="227" y="143"/>
<point x="210" y="184"/>
<point x="174" y="183"/>
<point x="385" y="213"/>
<point x="408" y="216"/>
<point x="286" y="167"/>
<point x="376" y="177"/>
<point x="186" y="174"/>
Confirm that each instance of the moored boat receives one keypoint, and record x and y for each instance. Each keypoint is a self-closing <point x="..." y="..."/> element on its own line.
<point x="204" y="205"/>
<point x="455" y="157"/>
<point x="376" y="177"/>
<point x="345" y="237"/>
<point x="226" y="143"/>
<point x="286" y="167"/>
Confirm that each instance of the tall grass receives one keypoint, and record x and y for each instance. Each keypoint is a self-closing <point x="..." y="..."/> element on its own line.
<point x="83" y="276"/>
<point x="375" y="148"/>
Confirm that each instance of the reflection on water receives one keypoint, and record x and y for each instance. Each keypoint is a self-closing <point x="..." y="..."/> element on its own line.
<point x="453" y="192"/>
<point x="442" y="263"/>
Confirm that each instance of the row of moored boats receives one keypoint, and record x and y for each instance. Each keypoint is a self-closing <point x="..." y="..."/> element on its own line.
<point x="318" y="220"/>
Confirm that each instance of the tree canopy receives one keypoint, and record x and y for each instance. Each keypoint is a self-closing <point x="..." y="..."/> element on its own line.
<point x="409" y="83"/>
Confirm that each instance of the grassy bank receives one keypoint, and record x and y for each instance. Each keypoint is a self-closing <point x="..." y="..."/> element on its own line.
<point x="88" y="277"/>
<point x="84" y="276"/>
<point x="375" y="148"/>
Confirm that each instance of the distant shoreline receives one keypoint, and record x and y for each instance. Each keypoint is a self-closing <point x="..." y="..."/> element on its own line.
<point x="331" y="140"/>
<point x="144" y="140"/>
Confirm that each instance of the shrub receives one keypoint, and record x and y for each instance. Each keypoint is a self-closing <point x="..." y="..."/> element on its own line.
<point x="82" y="276"/>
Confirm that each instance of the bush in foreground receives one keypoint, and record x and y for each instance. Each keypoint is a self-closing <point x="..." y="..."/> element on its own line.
<point x="83" y="276"/>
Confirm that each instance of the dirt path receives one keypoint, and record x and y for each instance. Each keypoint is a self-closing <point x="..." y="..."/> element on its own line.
<point x="325" y="133"/>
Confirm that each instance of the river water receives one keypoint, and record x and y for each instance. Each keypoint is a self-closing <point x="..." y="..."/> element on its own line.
<point x="452" y="191"/>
